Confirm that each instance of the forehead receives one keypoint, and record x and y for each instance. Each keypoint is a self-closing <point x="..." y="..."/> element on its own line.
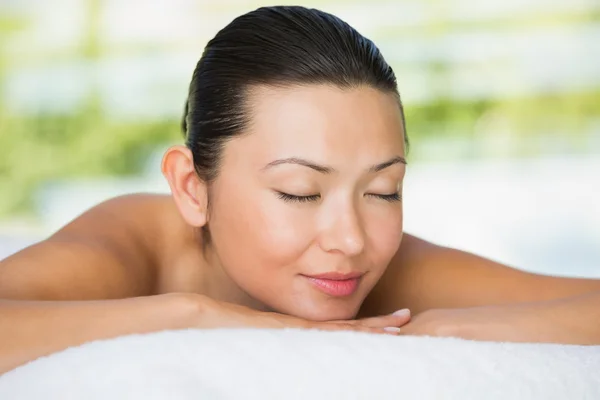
<point x="324" y="122"/>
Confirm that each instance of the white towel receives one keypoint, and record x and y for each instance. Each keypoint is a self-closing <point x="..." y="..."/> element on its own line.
<point x="294" y="364"/>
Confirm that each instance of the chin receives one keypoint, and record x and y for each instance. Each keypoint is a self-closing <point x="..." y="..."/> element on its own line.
<point x="325" y="312"/>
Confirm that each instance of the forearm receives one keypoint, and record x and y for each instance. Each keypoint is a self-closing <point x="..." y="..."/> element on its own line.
<point x="31" y="329"/>
<point x="573" y="320"/>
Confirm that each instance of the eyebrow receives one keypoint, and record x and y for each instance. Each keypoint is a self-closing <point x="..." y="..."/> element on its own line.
<point x="324" y="169"/>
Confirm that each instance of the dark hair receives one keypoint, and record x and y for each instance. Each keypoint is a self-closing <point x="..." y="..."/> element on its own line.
<point x="283" y="45"/>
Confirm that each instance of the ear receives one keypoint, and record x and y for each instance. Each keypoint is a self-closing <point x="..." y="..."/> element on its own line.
<point x="189" y="191"/>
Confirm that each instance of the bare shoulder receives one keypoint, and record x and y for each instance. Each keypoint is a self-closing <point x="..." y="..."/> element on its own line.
<point x="111" y="251"/>
<point x="139" y="220"/>
<point x="146" y="218"/>
<point x="396" y="288"/>
<point x="423" y="275"/>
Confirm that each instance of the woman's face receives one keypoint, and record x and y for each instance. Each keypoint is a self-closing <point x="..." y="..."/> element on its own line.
<point x="306" y="212"/>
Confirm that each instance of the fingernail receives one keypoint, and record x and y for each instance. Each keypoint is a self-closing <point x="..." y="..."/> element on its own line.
<point x="391" y="329"/>
<point x="405" y="312"/>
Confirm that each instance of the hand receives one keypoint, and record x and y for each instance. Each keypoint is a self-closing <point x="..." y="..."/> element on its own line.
<point x="215" y="314"/>
<point x="488" y="323"/>
<point x="385" y="324"/>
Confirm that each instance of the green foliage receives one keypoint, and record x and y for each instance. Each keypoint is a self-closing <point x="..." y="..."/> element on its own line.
<point x="86" y="143"/>
<point x="568" y="114"/>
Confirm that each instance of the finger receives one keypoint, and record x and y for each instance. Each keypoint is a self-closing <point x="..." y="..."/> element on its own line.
<point x="388" y="330"/>
<point x="410" y="330"/>
<point x="359" y="328"/>
<point x="395" y="319"/>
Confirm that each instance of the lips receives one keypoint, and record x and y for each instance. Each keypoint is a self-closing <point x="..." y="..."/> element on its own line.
<point x="335" y="283"/>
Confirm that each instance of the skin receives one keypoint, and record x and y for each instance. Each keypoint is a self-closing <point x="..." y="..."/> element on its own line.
<point x="263" y="243"/>
<point x="140" y="263"/>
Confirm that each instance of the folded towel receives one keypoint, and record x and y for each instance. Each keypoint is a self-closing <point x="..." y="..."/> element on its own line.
<point x="295" y="364"/>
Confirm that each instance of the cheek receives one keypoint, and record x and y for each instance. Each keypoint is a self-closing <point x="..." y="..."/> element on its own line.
<point x="385" y="233"/>
<point x="258" y="230"/>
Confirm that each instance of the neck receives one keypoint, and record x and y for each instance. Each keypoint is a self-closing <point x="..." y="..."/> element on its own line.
<point x="220" y="286"/>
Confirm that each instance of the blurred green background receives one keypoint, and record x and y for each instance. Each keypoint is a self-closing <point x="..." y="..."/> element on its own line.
<point x="502" y="103"/>
<point x="464" y="73"/>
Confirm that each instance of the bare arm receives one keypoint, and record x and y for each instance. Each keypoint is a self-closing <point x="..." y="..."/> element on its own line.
<point x="97" y="278"/>
<point x="570" y="320"/>
<point x="57" y="293"/>
<point x="30" y="329"/>
<point x="423" y="276"/>
<point x="455" y="293"/>
<point x="104" y="254"/>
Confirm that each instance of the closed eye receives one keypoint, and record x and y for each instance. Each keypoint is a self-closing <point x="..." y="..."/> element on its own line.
<point x="387" y="197"/>
<point x="290" y="198"/>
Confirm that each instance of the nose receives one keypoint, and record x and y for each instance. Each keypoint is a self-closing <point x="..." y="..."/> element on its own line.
<point x="342" y="231"/>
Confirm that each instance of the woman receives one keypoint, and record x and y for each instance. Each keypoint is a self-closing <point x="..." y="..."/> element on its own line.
<point x="286" y="211"/>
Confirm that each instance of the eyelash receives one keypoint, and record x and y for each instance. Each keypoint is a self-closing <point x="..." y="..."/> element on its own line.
<point x="389" y="197"/>
<point x="290" y="198"/>
<point x="304" y="199"/>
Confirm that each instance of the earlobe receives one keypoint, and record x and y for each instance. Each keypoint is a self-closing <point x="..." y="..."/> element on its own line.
<point x="188" y="190"/>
